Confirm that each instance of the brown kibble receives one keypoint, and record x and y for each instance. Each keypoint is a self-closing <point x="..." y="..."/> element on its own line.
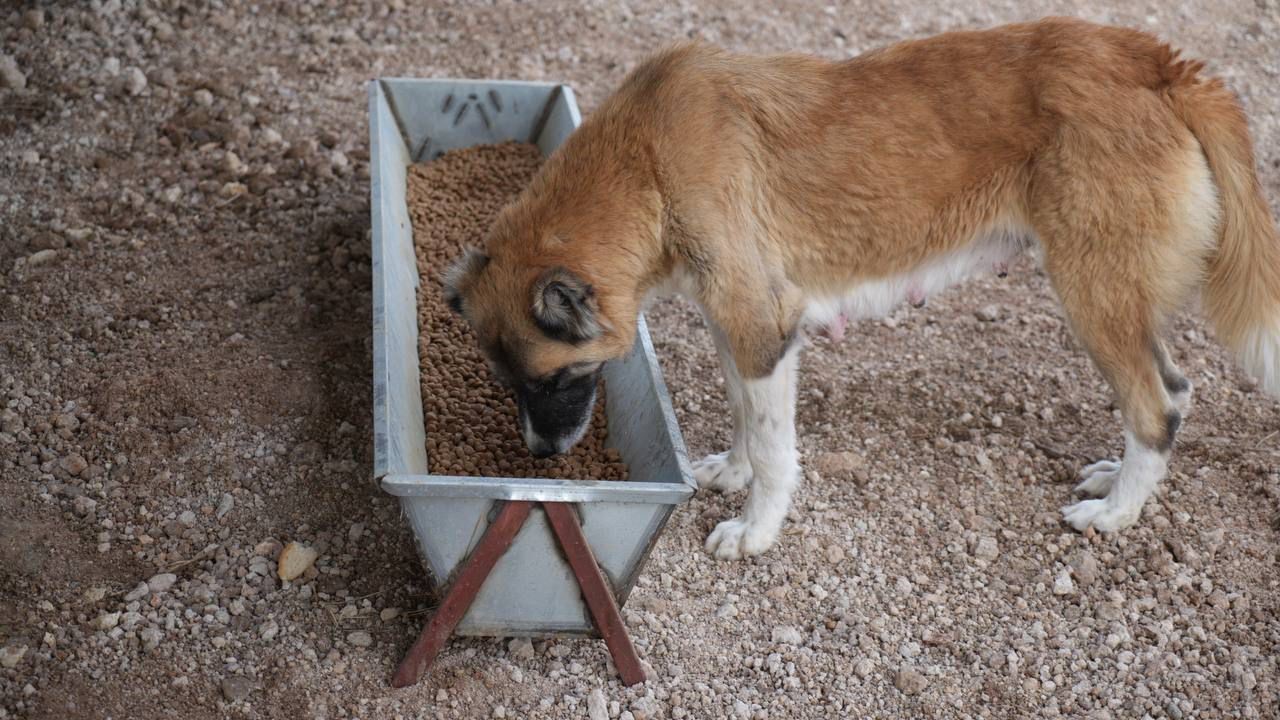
<point x="471" y="421"/>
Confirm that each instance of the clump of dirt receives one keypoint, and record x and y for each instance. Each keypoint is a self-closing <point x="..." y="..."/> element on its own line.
<point x="472" y="426"/>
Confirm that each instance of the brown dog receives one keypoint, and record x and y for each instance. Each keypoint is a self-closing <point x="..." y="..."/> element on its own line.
<point x="786" y="193"/>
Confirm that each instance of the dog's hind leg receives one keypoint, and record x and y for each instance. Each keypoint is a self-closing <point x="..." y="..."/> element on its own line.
<point x="730" y="470"/>
<point x="769" y="404"/>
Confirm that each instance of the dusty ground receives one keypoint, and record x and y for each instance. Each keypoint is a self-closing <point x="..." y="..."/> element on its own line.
<point x="184" y="367"/>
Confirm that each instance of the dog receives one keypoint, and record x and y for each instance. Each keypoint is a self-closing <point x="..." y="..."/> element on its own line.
<point x="788" y="193"/>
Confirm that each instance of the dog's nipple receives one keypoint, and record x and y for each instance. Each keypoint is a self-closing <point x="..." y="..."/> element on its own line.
<point x="835" y="328"/>
<point x="1002" y="269"/>
<point x="916" y="297"/>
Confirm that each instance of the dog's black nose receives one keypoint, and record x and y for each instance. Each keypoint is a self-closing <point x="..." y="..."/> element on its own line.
<point x="542" y="450"/>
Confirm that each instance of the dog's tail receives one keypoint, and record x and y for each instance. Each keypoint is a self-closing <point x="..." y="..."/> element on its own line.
<point x="1242" y="295"/>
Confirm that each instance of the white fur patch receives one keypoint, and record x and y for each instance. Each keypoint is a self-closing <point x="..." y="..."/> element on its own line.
<point x="1260" y="355"/>
<point x="1130" y="486"/>
<point x="769" y="406"/>
<point x="989" y="252"/>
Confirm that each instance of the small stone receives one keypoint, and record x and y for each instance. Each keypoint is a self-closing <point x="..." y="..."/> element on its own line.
<point x="500" y="712"/>
<point x="294" y="560"/>
<point x="10" y="75"/>
<point x="94" y="594"/>
<point x="11" y="655"/>
<point x="29" y="157"/>
<point x="107" y="621"/>
<point x="787" y="635"/>
<point x="225" y="505"/>
<point x="389" y="614"/>
<point x="74" y="464"/>
<point x="233" y="190"/>
<point x="236" y="688"/>
<point x="910" y="682"/>
<point x="42" y="257"/>
<point x="844" y="465"/>
<point x="835" y="553"/>
<point x="597" y="709"/>
<point x="520" y="649"/>
<point x="1063" y="584"/>
<point x="134" y="81"/>
<point x="727" y="610"/>
<point x="987" y="548"/>
<point x="33" y="19"/>
<point x="360" y="638"/>
<point x="1085" y="569"/>
<point x="987" y="313"/>
<point x="187" y="518"/>
<point x="864" y="668"/>
<point x="357" y="529"/>
<point x="84" y="505"/>
<point x="138" y="592"/>
<point x="151" y="638"/>
<point x="202" y="97"/>
<point x="162" y="582"/>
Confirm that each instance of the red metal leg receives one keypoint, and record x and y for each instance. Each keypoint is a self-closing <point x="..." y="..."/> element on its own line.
<point x="497" y="538"/>
<point x="595" y="590"/>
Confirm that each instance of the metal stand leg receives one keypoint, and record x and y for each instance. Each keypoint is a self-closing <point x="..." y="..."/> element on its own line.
<point x="595" y="590"/>
<point x="497" y="538"/>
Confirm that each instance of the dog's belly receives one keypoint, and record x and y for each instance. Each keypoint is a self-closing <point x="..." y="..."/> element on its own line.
<point x="989" y="253"/>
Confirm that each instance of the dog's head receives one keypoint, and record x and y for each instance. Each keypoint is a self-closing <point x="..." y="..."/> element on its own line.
<point x="545" y="329"/>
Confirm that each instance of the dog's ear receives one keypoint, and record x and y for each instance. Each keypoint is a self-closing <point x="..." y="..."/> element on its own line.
<point x="565" y="307"/>
<point x="461" y="274"/>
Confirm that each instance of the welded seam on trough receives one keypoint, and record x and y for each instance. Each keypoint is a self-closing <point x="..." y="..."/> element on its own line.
<point x="395" y="114"/>
<point x="547" y="109"/>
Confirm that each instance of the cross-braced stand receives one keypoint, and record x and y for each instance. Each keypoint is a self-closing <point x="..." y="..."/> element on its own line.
<point x="466" y="585"/>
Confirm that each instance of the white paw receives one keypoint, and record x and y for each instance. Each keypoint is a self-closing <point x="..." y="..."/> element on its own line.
<point x="1103" y="515"/>
<point x="735" y="539"/>
<point x="720" y="472"/>
<point x="1098" y="478"/>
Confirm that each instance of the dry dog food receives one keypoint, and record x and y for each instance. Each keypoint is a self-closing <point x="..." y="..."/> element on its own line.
<point x="472" y="428"/>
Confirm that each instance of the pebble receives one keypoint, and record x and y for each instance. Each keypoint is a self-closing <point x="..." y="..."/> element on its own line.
<point x="42" y="257"/>
<point x="202" y="97"/>
<point x="520" y="649"/>
<point x="138" y="592"/>
<point x="360" y="638"/>
<point x="10" y="76"/>
<point x="389" y="614"/>
<point x="33" y="19"/>
<point x="84" y="505"/>
<point x="864" y="668"/>
<point x="187" y="518"/>
<point x="11" y="655"/>
<point x="29" y="157"/>
<point x="840" y="465"/>
<point x="134" y="81"/>
<point x="986" y="549"/>
<point x="107" y="621"/>
<point x="225" y="505"/>
<point x="787" y="635"/>
<point x="987" y="313"/>
<point x="236" y="688"/>
<point x="74" y="464"/>
<point x="294" y="560"/>
<point x="162" y="582"/>
<point x="597" y="709"/>
<point x="910" y="682"/>
<point x="1085" y="569"/>
<point x="151" y="637"/>
<point x="1063" y="584"/>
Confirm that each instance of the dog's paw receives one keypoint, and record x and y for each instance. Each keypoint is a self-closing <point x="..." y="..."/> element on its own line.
<point x="1098" y="478"/>
<point x="736" y="539"/>
<point x="722" y="472"/>
<point x="1102" y="515"/>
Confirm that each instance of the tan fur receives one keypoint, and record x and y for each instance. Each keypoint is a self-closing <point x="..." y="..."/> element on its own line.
<point x="761" y="183"/>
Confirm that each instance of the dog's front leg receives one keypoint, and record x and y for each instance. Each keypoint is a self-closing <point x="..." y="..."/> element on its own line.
<point x="769" y="406"/>
<point x="729" y="470"/>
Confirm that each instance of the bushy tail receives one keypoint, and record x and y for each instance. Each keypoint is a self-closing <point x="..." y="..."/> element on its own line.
<point x="1242" y="296"/>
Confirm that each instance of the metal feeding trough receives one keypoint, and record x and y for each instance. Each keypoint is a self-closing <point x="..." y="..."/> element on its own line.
<point x="510" y="551"/>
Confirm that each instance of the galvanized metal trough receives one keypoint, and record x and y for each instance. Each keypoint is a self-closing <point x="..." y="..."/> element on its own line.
<point x="531" y="590"/>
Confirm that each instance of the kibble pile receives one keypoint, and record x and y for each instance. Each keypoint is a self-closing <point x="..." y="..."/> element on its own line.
<point x="472" y="428"/>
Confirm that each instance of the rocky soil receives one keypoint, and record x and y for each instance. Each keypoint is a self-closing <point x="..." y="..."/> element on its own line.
<point x="185" y="411"/>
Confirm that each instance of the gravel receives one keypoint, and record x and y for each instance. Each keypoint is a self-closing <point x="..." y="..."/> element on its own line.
<point x="918" y="568"/>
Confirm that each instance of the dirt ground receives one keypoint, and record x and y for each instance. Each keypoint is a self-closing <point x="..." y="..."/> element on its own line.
<point x="184" y="386"/>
